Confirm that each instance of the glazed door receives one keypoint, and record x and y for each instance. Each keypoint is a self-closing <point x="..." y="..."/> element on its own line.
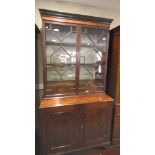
<point x="75" y="59"/>
<point x="96" y="123"/>
<point x="61" y="129"/>
<point x="93" y="59"/>
<point x="60" y="59"/>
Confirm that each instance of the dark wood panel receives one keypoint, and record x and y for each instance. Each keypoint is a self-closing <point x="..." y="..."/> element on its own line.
<point x="73" y="16"/>
<point x="117" y="109"/>
<point x="98" y="151"/>
<point x="60" y="129"/>
<point x="37" y="99"/>
<point x="113" y="74"/>
<point x="110" y="151"/>
<point x="116" y="131"/>
<point x="78" y="58"/>
<point x="113" y="80"/>
<point x="97" y="123"/>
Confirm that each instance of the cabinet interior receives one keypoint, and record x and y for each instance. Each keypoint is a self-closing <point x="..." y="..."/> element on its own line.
<point x="75" y="59"/>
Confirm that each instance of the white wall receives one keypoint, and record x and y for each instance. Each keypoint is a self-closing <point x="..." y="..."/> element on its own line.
<point x="76" y="8"/>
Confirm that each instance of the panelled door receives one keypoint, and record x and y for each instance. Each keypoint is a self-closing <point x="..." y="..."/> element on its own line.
<point x="96" y="124"/>
<point x="61" y="128"/>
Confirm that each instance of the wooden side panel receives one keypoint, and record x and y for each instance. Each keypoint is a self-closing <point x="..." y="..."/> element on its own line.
<point x="116" y="131"/>
<point x="97" y="123"/>
<point x="113" y="80"/>
<point x="60" y="129"/>
<point x="113" y="76"/>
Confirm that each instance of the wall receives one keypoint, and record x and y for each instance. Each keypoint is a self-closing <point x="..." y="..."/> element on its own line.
<point x="76" y="8"/>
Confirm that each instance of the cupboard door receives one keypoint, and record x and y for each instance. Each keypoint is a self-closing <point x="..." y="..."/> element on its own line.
<point x="61" y="129"/>
<point x="97" y="123"/>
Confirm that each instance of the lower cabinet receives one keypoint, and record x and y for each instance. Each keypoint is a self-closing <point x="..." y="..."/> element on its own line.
<point x="75" y="127"/>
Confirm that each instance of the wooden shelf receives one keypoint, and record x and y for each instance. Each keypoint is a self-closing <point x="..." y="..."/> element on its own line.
<point x="71" y="44"/>
<point x="59" y="64"/>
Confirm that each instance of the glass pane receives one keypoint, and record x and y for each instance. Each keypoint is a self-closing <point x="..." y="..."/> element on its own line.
<point x="61" y="73"/>
<point x="92" y="59"/>
<point x="61" y="57"/>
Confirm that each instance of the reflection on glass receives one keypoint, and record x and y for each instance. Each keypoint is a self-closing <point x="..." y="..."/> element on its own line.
<point x="61" y="58"/>
<point x="61" y="73"/>
<point x="61" y="65"/>
<point x="92" y="59"/>
<point x="57" y="54"/>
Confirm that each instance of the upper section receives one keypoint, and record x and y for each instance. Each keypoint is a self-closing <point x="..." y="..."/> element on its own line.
<point x="75" y="53"/>
<point x="48" y="13"/>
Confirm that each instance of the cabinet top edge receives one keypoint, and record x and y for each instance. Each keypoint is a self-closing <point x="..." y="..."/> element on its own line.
<point x="44" y="12"/>
<point x="74" y="100"/>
